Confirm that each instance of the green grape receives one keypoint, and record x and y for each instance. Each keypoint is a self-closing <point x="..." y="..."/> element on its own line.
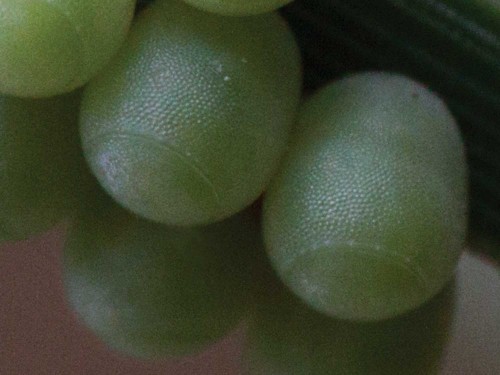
<point x="367" y="216"/>
<point x="150" y="290"/>
<point x="286" y="338"/>
<point x="42" y="171"/>
<point x="188" y="123"/>
<point x="50" y="47"/>
<point x="238" y="7"/>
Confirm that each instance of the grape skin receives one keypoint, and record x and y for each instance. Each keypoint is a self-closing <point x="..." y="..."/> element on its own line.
<point x="51" y="47"/>
<point x="187" y="125"/>
<point x="285" y="337"/>
<point x="192" y="341"/>
<point x="238" y="7"/>
<point x="42" y="170"/>
<point x="367" y="217"/>
<point x="151" y="291"/>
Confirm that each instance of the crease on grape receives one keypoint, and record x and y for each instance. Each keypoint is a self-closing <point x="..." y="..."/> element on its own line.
<point x="167" y="147"/>
<point x="405" y="262"/>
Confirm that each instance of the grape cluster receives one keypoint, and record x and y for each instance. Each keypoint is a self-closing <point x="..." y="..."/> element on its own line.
<point x="157" y="142"/>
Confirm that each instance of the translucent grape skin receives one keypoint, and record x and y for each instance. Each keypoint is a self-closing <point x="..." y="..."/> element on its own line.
<point x="152" y="291"/>
<point x="51" y="47"/>
<point x="238" y="7"/>
<point x="287" y="338"/>
<point x="42" y="174"/>
<point x="366" y="218"/>
<point x="187" y="125"/>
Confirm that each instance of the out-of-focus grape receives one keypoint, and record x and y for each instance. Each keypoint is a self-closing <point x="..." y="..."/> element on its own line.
<point x="152" y="291"/>
<point x="287" y="338"/>
<point x="42" y="170"/>
<point x="50" y="47"/>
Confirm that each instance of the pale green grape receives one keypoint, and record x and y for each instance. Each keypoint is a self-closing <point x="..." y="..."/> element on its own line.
<point x="188" y="123"/>
<point x="150" y="290"/>
<point x="367" y="216"/>
<point x="49" y="47"/>
<point x="238" y="7"/>
<point x="286" y="338"/>
<point x="42" y="171"/>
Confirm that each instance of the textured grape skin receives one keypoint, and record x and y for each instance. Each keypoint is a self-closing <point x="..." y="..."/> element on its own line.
<point x="367" y="216"/>
<point x="238" y="7"/>
<point x="42" y="171"/>
<point x="51" y="47"/>
<point x="287" y="338"/>
<point x="151" y="291"/>
<point x="188" y="123"/>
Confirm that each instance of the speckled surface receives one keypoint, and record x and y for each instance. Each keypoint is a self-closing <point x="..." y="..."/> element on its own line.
<point x="370" y="200"/>
<point x="188" y="124"/>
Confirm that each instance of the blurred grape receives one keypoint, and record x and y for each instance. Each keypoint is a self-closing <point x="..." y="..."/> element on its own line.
<point x="51" y="47"/>
<point x="152" y="291"/>
<point x="287" y="338"/>
<point x="42" y="170"/>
